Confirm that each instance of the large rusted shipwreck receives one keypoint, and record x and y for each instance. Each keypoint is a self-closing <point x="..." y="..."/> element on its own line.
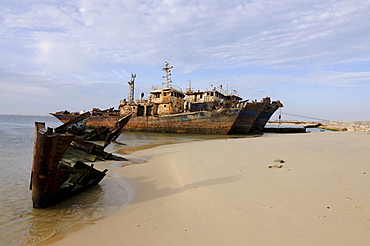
<point x="169" y="109"/>
<point x="59" y="168"/>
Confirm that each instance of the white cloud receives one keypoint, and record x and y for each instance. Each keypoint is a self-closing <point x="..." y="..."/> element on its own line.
<point x="338" y="79"/>
<point x="254" y="45"/>
<point x="10" y="88"/>
<point x="190" y="32"/>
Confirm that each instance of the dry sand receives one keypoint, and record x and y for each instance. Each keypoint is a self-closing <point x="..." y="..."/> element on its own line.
<point x="221" y="192"/>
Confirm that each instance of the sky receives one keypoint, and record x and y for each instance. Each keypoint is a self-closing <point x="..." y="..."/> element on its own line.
<point x="312" y="55"/>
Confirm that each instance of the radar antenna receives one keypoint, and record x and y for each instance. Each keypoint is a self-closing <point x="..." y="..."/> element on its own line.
<point x="167" y="68"/>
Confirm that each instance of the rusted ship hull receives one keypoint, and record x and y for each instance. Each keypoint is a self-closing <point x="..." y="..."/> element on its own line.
<point x="74" y="126"/>
<point x="247" y="117"/>
<point x="52" y="178"/>
<point x="108" y="134"/>
<point x="169" y="109"/>
<point x="201" y="122"/>
<point x="262" y="119"/>
<point x="107" y="120"/>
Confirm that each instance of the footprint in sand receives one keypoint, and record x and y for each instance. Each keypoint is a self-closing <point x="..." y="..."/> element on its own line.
<point x="349" y="199"/>
<point x="346" y="187"/>
<point x="358" y="208"/>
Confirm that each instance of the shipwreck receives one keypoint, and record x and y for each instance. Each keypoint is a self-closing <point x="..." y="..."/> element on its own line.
<point x="59" y="168"/>
<point x="168" y="109"/>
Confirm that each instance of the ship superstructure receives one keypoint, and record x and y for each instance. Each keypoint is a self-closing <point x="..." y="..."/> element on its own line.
<point x="169" y="109"/>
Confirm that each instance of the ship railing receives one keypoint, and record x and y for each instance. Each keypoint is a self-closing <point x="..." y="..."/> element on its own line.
<point x="163" y="86"/>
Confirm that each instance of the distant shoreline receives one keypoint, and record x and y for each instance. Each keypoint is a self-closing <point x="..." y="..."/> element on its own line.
<point x="351" y="126"/>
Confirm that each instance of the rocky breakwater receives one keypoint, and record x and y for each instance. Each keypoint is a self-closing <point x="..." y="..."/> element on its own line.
<point x="351" y="126"/>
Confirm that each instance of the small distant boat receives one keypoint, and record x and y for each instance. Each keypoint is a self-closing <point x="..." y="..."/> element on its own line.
<point x="284" y="129"/>
<point x="59" y="170"/>
<point x="313" y="125"/>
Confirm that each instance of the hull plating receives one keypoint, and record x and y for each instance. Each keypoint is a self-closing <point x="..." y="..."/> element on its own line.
<point x="263" y="118"/>
<point x="52" y="179"/>
<point x="201" y="122"/>
<point x="246" y="118"/>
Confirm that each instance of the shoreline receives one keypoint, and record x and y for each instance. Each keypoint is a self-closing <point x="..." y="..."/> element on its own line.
<point x="351" y="126"/>
<point x="222" y="192"/>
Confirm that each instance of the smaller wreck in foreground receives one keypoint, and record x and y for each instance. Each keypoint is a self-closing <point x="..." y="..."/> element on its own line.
<point x="59" y="170"/>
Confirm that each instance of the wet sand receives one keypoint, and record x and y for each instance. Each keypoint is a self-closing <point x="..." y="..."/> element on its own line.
<point x="222" y="192"/>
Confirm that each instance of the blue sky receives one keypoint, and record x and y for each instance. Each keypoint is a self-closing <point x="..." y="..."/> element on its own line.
<point x="312" y="55"/>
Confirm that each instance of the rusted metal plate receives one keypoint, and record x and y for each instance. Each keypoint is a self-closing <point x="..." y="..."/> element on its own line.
<point x="247" y="117"/>
<point x="203" y="122"/>
<point x="58" y="170"/>
<point x="49" y="149"/>
<point x="75" y="126"/>
<point x="264" y="117"/>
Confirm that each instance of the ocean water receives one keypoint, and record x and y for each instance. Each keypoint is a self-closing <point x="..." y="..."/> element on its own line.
<point x="20" y="223"/>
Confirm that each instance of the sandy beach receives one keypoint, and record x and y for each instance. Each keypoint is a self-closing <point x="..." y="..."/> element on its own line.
<point x="232" y="192"/>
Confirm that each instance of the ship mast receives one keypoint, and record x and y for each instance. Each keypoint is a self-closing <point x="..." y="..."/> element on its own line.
<point x="189" y="89"/>
<point x="167" y="68"/>
<point x="131" y="89"/>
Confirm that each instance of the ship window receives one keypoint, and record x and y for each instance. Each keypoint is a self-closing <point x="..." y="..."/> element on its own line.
<point x="212" y="94"/>
<point x="140" y="110"/>
<point x="149" y="110"/>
